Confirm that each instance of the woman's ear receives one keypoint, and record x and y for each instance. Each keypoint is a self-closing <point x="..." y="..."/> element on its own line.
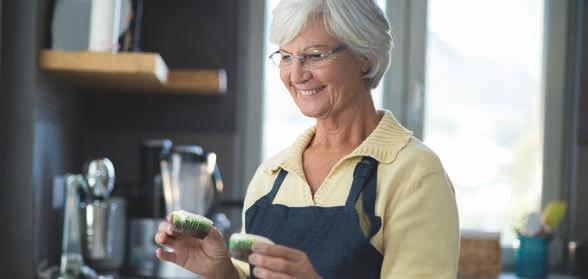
<point x="365" y="65"/>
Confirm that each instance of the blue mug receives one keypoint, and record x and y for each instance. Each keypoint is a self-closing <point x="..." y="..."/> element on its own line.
<point x="532" y="257"/>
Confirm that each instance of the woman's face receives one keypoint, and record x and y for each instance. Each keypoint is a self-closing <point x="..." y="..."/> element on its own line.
<point x="326" y="90"/>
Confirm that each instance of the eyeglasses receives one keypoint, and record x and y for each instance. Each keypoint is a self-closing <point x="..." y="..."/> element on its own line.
<point x="314" y="58"/>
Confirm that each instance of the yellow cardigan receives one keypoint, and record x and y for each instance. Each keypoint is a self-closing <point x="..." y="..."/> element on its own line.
<point x="419" y="237"/>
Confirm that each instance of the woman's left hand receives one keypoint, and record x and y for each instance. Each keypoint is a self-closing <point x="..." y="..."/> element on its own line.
<point x="277" y="261"/>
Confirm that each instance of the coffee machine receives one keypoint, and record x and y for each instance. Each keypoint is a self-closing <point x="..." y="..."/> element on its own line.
<point x="182" y="177"/>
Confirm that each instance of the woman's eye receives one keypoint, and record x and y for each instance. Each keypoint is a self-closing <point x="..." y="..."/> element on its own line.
<point x="315" y="56"/>
<point x="286" y="58"/>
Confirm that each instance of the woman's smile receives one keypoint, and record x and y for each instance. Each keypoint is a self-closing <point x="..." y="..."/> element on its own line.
<point x="312" y="91"/>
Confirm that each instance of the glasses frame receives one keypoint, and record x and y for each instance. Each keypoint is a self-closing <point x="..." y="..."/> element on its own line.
<point x="304" y="57"/>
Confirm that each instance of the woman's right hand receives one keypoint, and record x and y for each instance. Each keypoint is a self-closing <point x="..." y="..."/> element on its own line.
<point x="208" y="257"/>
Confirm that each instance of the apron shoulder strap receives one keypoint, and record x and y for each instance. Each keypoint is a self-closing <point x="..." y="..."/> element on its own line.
<point x="362" y="173"/>
<point x="277" y="183"/>
<point x="369" y="205"/>
<point x="364" y="183"/>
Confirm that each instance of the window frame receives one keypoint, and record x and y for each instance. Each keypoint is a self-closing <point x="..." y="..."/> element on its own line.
<point x="404" y="80"/>
<point x="251" y="90"/>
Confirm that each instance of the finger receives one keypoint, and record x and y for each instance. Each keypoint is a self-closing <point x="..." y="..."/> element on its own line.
<point x="215" y="235"/>
<point x="214" y="244"/>
<point x="261" y="272"/>
<point x="277" y="251"/>
<point x="277" y="264"/>
<point x="167" y="228"/>
<point x="163" y="226"/>
<point x="175" y="243"/>
<point x="160" y="238"/>
<point x="163" y="238"/>
<point x="165" y="255"/>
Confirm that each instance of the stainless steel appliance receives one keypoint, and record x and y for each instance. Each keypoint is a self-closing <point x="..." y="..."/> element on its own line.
<point x="191" y="180"/>
<point x="104" y="231"/>
<point x="88" y="232"/>
<point x="103" y="218"/>
<point x="72" y="264"/>
<point x="172" y="178"/>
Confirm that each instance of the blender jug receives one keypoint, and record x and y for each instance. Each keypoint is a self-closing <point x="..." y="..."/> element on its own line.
<point x="191" y="180"/>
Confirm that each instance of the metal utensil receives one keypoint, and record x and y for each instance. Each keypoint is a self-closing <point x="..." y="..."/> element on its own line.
<point x="100" y="177"/>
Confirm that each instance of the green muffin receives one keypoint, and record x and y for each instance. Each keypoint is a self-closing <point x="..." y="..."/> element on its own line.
<point x="240" y="245"/>
<point x="191" y="224"/>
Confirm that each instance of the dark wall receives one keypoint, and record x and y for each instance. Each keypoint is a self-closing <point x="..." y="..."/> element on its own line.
<point x="583" y="83"/>
<point x="581" y="186"/>
<point x="40" y="128"/>
<point x="188" y="35"/>
<point x="17" y="138"/>
<point x="49" y="128"/>
<point x="56" y="148"/>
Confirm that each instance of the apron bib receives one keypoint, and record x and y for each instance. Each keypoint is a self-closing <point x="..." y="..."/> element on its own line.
<point x="331" y="237"/>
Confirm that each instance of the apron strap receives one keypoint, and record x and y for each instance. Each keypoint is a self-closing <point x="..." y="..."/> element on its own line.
<point x="369" y="203"/>
<point x="364" y="183"/>
<point x="277" y="183"/>
<point x="363" y="172"/>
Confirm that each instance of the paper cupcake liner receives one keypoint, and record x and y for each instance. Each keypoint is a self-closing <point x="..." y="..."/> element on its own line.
<point x="190" y="224"/>
<point x="240" y="245"/>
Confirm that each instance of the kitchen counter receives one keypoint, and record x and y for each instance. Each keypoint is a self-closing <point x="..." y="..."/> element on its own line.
<point x="554" y="276"/>
<point x="502" y="276"/>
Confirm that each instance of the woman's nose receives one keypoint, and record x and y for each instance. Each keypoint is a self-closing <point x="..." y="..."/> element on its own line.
<point x="298" y="73"/>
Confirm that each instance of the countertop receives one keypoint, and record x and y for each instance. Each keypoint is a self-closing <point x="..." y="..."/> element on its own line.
<point x="502" y="276"/>
<point x="554" y="276"/>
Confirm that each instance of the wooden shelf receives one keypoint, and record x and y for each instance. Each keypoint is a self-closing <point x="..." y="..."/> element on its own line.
<point x="130" y="71"/>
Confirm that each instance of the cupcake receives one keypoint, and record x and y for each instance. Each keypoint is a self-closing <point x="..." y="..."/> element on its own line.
<point x="190" y="223"/>
<point x="240" y="245"/>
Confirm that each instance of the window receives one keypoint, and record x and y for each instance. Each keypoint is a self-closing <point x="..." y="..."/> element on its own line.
<point x="484" y="106"/>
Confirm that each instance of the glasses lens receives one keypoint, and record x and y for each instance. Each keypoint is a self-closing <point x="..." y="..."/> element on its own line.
<point x="276" y="58"/>
<point x="313" y="58"/>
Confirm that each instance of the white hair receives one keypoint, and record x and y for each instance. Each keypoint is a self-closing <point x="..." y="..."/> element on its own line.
<point x="359" y="24"/>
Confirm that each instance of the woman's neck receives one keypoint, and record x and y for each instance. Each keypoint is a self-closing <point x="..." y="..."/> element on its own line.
<point x="348" y="128"/>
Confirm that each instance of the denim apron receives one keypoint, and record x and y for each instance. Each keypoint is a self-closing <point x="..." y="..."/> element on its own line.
<point x="331" y="237"/>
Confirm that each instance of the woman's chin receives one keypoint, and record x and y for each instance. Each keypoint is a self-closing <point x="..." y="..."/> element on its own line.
<point x="313" y="112"/>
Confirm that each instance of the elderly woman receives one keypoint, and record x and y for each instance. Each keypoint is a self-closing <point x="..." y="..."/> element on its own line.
<point x="355" y="196"/>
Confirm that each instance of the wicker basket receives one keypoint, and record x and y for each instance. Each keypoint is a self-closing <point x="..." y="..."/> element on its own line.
<point x="480" y="255"/>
